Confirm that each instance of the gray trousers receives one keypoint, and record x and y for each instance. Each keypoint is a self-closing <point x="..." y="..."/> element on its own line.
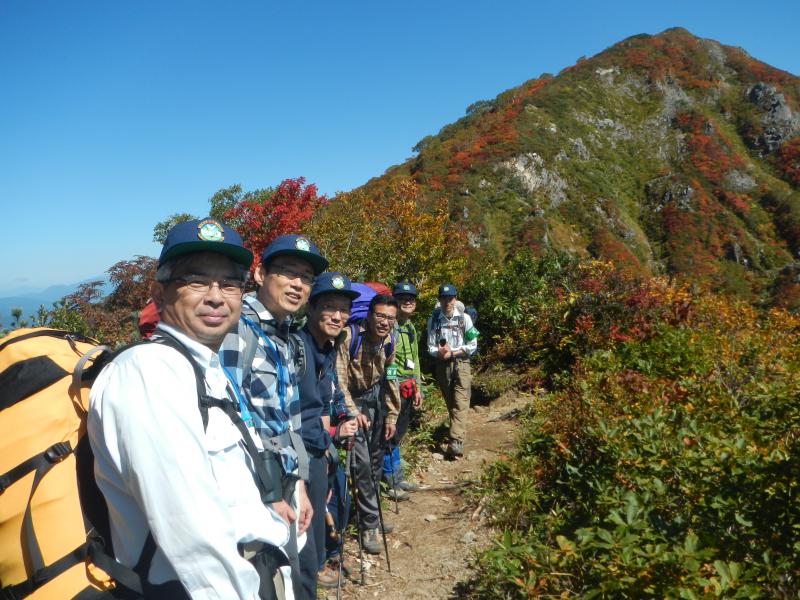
<point x="367" y="457"/>
<point x="455" y="382"/>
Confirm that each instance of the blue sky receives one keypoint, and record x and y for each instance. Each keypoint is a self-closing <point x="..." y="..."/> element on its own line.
<point x="115" y="114"/>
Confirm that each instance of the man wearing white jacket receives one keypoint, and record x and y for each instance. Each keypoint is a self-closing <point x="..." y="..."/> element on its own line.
<point x="452" y="340"/>
<point x="174" y="457"/>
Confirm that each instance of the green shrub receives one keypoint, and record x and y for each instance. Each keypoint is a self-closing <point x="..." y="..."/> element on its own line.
<point x="665" y="463"/>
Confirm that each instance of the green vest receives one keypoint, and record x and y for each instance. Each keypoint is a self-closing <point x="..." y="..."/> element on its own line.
<point x="406" y="347"/>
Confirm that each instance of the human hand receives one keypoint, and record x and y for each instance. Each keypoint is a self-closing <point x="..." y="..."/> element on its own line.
<point x="347" y="429"/>
<point x="304" y="507"/>
<point x="417" y="399"/>
<point x="284" y="511"/>
<point x="388" y="430"/>
<point x="362" y="421"/>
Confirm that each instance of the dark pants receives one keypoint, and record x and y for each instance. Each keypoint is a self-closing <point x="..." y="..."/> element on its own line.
<point x="339" y="508"/>
<point x="367" y="457"/>
<point x="403" y="419"/>
<point x="265" y="562"/>
<point x="392" y="466"/>
<point x="312" y="556"/>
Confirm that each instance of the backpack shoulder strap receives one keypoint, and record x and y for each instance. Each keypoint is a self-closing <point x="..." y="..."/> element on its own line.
<point x="268" y="490"/>
<point x="436" y="321"/>
<point x="297" y="349"/>
<point x="249" y="334"/>
<point x="355" y="339"/>
<point x="389" y="348"/>
<point x="407" y="330"/>
<point x="199" y="379"/>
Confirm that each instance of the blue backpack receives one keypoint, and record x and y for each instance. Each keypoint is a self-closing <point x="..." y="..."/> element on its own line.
<point x="361" y="304"/>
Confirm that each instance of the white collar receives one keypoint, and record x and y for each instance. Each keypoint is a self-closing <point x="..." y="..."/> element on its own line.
<point x="204" y="356"/>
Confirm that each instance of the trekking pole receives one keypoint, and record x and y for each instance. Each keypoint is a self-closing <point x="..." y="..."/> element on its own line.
<point x="343" y="525"/>
<point x="378" y="501"/>
<point x="394" y="481"/>
<point x="353" y="488"/>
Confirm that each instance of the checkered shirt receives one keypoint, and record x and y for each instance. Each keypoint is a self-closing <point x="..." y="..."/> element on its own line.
<point x="261" y="382"/>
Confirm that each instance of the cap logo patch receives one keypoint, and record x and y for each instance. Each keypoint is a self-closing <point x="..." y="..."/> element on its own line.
<point x="210" y="231"/>
<point x="446" y="288"/>
<point x="303" y="244"/>
<point x="406" y="286"/>
<point x="337" y="282"/>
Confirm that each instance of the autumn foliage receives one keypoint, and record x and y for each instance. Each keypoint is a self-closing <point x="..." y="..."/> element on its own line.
<point x="388" y="234"/>
<point x="262" y="218"/>
<point x="111" y="319"/>
<point x="710" y="154"/>
<point x="788" y="161"/>
<point x="662" y="458"/>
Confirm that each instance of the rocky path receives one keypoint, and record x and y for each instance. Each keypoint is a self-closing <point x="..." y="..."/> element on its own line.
<point x="439" y="529"/>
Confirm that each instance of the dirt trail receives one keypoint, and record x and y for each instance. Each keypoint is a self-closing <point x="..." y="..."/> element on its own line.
<point x="438" y="530"/>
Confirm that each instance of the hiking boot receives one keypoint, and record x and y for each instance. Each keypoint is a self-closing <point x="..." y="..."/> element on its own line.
<point x="328" y="577"/>
<point x="387" y="527"/>
<point x="407" y="486"/>
<point x="455" y="449"/>
<point x="396" y="494"/>
<point x="370" y="541"/>
<point x="333" y="565"/>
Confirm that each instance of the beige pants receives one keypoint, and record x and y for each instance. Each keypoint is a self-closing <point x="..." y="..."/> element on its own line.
<point x="455" y="382"/>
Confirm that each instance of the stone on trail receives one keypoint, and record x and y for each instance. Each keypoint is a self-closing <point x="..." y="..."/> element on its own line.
<point x="431" y="518"/>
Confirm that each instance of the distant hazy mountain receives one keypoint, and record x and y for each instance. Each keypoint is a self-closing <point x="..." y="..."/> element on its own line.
<point x="665" y="153"/>
<point x="31" y="301"/>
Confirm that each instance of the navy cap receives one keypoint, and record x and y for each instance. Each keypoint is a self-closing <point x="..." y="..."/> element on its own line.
<point x="333" y="283"/>
<point x="207" y="235"/>
<point x="447" y="290"/>
<point x="295" y="245"/>
<point x="404" y="288"/>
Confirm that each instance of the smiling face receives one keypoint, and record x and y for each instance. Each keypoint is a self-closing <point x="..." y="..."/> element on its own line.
<point x="327" y="315"/>
<point x="285" y="283"/>
<point x="408" y="305"/>
<point x="380" y="320"/>
<point x="448" y="304"/>
<point x="203" y="316"/>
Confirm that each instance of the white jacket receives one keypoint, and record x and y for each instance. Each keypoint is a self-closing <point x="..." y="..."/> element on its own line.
<point x="160" y="471"/>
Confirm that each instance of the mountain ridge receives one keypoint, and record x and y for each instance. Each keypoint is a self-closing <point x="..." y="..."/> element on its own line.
<point x="666" y="153"/>
<point x="30" y="301"/>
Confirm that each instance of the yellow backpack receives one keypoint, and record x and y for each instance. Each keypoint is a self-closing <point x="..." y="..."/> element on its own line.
<point x="53" y="519"/>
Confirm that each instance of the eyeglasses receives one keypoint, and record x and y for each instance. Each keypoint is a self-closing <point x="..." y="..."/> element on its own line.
<point x="329" y="310"/>
<point x="407" y="300"/>
<point x="290" y="274"/>
<point x="385" y="317"/>
<point x="202" y="284"/>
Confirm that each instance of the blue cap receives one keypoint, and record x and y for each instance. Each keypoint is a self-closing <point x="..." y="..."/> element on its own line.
<point x="295" y="245"/>
<point x="447" y="290"/>
<point x="404" y="288"/>
<point x="333" y="283"/>
<point x="206" y="235"/>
